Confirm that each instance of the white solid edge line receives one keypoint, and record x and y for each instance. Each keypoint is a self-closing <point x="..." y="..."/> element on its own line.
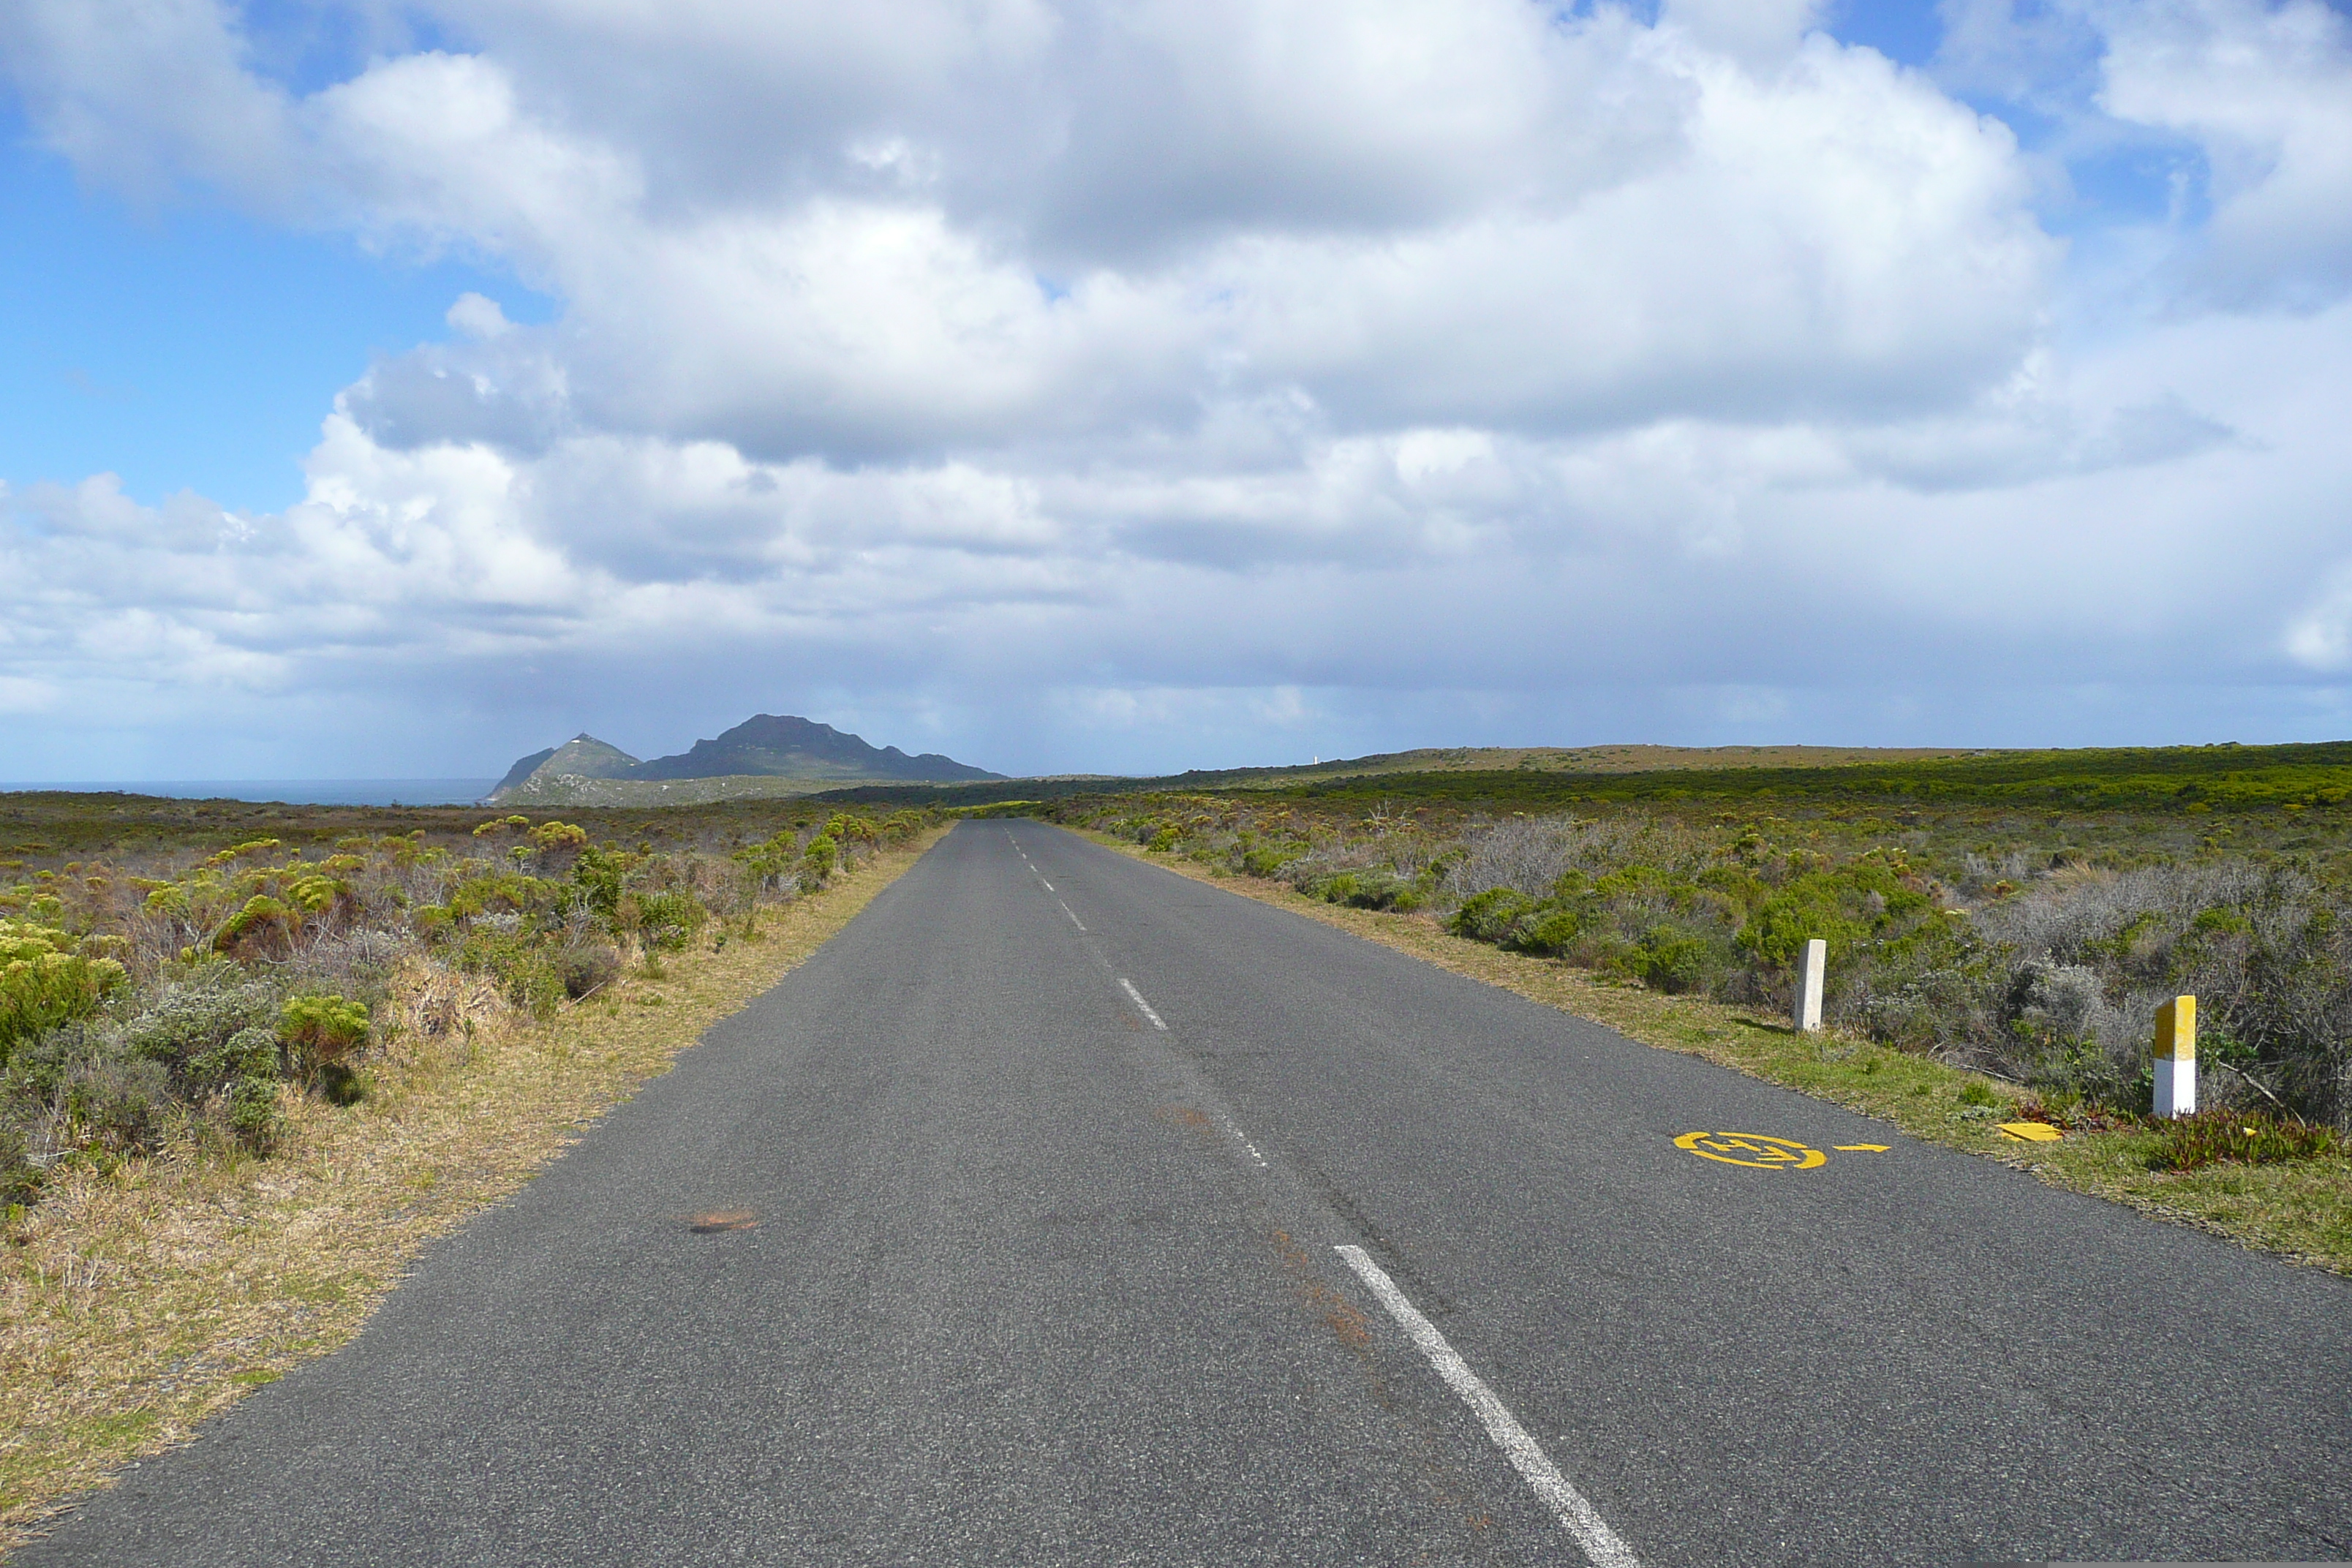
<point x="1136" y="997"/>
<point x="1603" y="1545"/>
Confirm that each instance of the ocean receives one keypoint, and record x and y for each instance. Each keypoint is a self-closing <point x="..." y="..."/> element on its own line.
<point x="291" y="791"/>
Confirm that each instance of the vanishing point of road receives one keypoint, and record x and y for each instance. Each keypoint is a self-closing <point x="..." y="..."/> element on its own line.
<point x="1099" y="1217"/>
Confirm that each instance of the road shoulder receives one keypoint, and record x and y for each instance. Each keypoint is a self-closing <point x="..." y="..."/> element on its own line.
<point x="135" y="1305"/>
<point x="2300" y="1211"/>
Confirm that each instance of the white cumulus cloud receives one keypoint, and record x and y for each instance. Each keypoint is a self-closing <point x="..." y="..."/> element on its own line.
<point x="1023" y="373"/>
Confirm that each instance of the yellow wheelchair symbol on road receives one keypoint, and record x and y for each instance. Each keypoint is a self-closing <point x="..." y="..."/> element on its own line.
<point x="1758" y="1152"/>
<point x="1752" y="1149"/>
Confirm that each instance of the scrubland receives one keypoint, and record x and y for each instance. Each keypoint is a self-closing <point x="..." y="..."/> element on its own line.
<point x="251" y="1057"/>
<point x="2000" y="961"/>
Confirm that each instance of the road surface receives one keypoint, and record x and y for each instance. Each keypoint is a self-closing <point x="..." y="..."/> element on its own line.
<point x="1097" y="1217"/>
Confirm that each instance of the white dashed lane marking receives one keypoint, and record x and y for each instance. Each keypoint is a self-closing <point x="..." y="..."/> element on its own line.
<point x="1603" y="1546"/>
<point x="1140" y="1005"/>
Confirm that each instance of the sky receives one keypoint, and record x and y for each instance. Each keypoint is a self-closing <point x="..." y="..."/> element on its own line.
<point x="389" y="390"/>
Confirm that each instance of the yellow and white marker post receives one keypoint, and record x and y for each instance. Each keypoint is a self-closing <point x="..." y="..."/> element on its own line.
<point x="1805" y="1009"/>
<point x="2176" y="1057"/>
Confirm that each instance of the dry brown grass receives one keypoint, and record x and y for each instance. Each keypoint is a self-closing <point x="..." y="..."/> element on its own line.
<point x="134" y="1304"/>
<point x="2301" y="1210"/>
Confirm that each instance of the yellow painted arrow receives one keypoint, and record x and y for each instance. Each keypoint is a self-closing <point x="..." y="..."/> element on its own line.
<point x="1860" y="1148"/>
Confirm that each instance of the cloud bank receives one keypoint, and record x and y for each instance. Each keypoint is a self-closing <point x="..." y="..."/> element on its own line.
<point x="1152" y="384"/>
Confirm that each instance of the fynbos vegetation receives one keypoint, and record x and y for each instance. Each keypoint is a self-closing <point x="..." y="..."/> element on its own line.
<point x="157" y="998"/>
<point x="2030" y="946"/>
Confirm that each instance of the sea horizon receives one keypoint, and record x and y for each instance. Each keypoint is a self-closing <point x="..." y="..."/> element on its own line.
<point x="279" y="792"/>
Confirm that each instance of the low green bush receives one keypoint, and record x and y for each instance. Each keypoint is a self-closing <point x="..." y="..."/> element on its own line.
<point x="189" y="1028"/>
<point x="1491" y="915"/>
<point x="2252" y="1137"/>
<point x="1376" y="888"/>
<point x="1267" y="859"/>
<point x="521" y="964"/>
<point x="253" y="1115"/>
<point x="172" y="991"/>
<point x="46" y="981"/>
<point x="1549" y="933"/>
<point x="666" y="922"/>
<point x="253" y="1052"/>
<point x="1674" y="959"/>
<point x="818" y="861"/>
<point x="319" y="1030"/>
<point x="600" y="876"/>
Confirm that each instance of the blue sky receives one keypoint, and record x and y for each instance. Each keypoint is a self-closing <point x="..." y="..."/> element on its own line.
<point x="467" y="379"/>
<point x="184" y="346"/>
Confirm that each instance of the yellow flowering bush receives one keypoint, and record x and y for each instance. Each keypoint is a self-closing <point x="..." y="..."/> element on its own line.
<point x="47" y="979"/>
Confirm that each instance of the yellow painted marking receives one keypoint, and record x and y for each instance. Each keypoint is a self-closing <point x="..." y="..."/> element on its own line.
<point x="1753" y="1150"/>
<point x="1860" y="1148"/>
<point x="2031" y="1131"/>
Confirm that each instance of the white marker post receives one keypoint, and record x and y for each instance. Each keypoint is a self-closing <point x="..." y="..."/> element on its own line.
<point x="1806" y="1011"/>
<point x="2176" y="1057"/>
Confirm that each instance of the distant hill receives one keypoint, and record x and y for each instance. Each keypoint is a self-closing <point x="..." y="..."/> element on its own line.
<point x="1632" y="759"/>
<point x="583" y="756"/>
<point x="769" y="746"/>
<point x="767" y="755"/>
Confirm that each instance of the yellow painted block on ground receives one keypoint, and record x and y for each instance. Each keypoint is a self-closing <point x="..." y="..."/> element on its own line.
<point x="2031" y="1131"/>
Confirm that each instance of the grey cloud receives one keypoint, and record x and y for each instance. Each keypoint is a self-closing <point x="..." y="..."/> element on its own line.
<point x="505" y="392"/>
<point x="1999" y="447"/>
<point x="1073" y="387"/>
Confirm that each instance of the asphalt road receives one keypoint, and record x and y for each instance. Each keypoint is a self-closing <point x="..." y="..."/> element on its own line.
<point x="1052" y="1156"/>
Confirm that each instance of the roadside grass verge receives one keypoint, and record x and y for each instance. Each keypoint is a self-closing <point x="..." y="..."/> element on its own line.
<point x="2301" y="1209"/>
<point x="136" y="1302"/>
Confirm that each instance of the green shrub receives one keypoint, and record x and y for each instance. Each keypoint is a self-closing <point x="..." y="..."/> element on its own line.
<point x="1547" y="932"/>
<point x="320" y="1031"/>
<point x="501" y="892"/>
<point x="525" y="972"/>
<point x="189" y="1029"/>
<point x="599" y="874"/>
<point x="252" y="1052"/>
<point x="1673" y="960"/>
<point x="1265" y="859"/>
<point x="770" y="860"/>
<point x="262" y="917"/>
<point x="46" y="982"/>
<point x="556" y="836"/>
<point x="1490" y="916"/>
<point x="818" y="861"/>
<point x="253" y="1113"/>
<point x="249" y="1066"/>
<point x="667" y="922"/>
<point x="1376" y="887"/>
<point x="1844" y="906"/>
